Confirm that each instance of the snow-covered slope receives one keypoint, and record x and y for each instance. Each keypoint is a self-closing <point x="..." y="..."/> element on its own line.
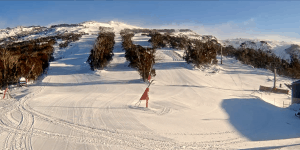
<point x="276" y="47"/>
<point x="20" y="30"/>
<point x="28" y="33"/>
<point x="280" y="48"/>
<point x="34" y="32"/>
<point x="215" y="107"/>
<point x="192" y="35"/>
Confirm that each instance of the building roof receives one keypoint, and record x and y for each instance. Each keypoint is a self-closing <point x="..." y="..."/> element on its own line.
<point x="22" y="79"/>
<point x="296" y="82"/>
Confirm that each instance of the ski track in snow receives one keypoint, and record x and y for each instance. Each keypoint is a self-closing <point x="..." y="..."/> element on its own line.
<point x="75" y="108"/>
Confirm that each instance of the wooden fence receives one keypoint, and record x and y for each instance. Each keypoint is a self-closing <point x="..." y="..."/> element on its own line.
<point x="273" y="90"/>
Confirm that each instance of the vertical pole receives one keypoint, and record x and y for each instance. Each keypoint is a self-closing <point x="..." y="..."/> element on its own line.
<point x="144" y="76"/>
<point x="221" y="55"/>
<point x="5" y="93"/>
<point x="146" y="103"/>
<point x="274" y="78"/>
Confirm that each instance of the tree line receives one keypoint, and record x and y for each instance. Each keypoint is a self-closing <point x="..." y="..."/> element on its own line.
<point x="196" y="51"/>
<point x="24" y="59"/>
<point x="68" y="38"/>
<point x="201" y="52"/>
<point x="35" y="31"/>
<point x="264" y="59"/>
<point x="102" y="52"/>
<point x="140" y="58"/>
<point x="28" y="59"/>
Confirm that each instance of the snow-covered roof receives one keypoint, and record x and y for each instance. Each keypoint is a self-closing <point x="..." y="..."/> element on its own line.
<point x="296" y="82"/>
<point x="22" y="79"/>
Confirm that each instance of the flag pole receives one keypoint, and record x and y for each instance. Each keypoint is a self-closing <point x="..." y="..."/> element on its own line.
<point x="150" y="83"/>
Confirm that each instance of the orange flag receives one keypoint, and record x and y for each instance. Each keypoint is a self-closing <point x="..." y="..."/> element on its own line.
<point x="145" y="95"/>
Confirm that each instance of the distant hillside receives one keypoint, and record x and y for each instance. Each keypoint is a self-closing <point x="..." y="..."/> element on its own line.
<point x="22" y="33"/>
<point x="281" y="49"/>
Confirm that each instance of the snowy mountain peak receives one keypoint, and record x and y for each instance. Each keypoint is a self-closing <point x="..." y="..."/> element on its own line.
<point x="113" y="22"/>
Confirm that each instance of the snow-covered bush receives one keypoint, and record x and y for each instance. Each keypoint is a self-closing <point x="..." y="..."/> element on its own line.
<point x="106" y="29"/>
<point x="102" y="51"/>
<point x="65" y="25"/>
<point x="126" y="35"/>
<point x="24" y="59"/>
<point x="68" y="38"/>
<point x="261" y="58"/>
<point x="201" y="53"/>
<point x="139" y="57"/>
<point x="159" y="41"/>
<point x="197" y="51"/>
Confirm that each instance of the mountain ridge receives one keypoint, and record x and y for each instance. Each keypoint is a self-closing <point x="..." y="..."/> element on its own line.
<point x="22" y="33"/>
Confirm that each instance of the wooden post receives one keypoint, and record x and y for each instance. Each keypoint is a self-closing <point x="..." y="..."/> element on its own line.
<point x="221" y="55"/>
<point x="5" y="92"/>
<point x="146" y="103"/>
<point x="274" y="78"/>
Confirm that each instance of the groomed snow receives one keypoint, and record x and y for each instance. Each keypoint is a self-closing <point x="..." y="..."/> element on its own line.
<point x="215" y="107"/>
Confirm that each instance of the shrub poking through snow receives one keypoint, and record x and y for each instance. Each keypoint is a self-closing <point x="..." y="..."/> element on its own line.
<point x="24" y="59"/>
<point x="65" y="25"/>
<point x="159" y="41"/>
<point x="264" y="59"/>
<point x="106" y="29"/>
<point x="68" y="38"/>
<point x="139" y="57"/>
<point x="126" y="35"/>
<point x="102" y="51"/>
<point x="148" y="31"/>
<point x="196" y="51"/>
<point x="205" y="52"/>
<point x="200" y="53"/>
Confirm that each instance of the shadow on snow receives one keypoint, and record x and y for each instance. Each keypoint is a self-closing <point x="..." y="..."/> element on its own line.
<point x="274" y="147"/>
<point x="259" y="121"/>
<point x="99" y="82"/>
<point x="196" y="86"/>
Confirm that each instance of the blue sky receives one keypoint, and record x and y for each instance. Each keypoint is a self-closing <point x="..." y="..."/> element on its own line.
<point x="277" y="20"/>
